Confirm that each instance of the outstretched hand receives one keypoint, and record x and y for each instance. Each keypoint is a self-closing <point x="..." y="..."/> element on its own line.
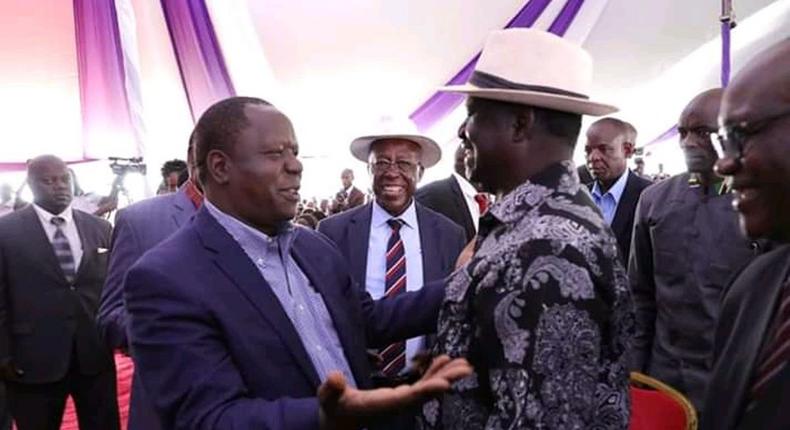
<point x="344" y="407"/>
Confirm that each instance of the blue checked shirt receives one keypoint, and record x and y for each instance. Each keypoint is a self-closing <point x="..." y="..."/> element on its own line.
<point x="302" y="303"/>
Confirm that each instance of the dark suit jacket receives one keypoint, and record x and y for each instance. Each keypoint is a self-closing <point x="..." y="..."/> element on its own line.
<point x="445" y="196"/>
<point x="42" y="317"/>
<point x="214" y="347"/>
<point x="623" y="221"/>
<point x="441" y="241"/>
<point x="138" y="228"/>
<point x="355" y="198"/>
<point x="747" y="310"/>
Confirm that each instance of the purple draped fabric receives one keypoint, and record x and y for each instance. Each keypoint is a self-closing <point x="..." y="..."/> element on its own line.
<point x="725" y="53"/>
<point x="200" y="61"/>
<point x="669" y="134"/>
<point x="106" y="122"/>
<point x="441" y="104"/>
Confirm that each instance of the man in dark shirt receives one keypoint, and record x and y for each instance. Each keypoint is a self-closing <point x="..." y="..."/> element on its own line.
<point x="542" y="309"/>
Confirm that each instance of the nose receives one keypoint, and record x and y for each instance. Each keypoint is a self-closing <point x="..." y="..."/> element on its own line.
<point x="293" y="165"/>
<point x="462" y="131"/>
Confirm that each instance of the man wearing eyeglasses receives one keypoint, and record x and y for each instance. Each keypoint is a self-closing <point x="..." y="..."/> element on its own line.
<point x="750" y="382"/>
<point x="686" y="247"/>
<point x="394" y="244"/>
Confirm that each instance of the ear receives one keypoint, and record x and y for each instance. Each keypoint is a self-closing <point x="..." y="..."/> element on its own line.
<point x="628" y="149"/>
<point x="523" y="125"/>
<point x="420" y="171"/>
<point x="218" y="166"/>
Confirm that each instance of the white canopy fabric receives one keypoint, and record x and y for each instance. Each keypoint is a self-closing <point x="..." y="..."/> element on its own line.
<point x="336" y="67"/>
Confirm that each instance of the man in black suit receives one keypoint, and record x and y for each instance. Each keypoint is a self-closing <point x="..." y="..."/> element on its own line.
<point x="455" y="197"/>
<point x="349" y="196"/>
<point x="750" y="382"/>
<point x="615" y="189"/>
<point x="53" y="262"/>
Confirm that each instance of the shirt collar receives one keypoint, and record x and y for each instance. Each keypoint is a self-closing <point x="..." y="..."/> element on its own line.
<point x="193" y="193"/>
<point x="560" y="178"/>
<point x="248" y="237"/>
<point x="381" y="216"/>
<point x="46" y="217"/>
<point x="466" y="186"/>
<point x="615" y="191"/>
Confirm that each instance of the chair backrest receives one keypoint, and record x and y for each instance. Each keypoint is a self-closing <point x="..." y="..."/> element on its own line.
<point x="655" y="405"/>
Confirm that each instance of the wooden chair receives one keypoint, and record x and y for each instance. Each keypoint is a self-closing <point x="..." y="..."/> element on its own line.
<point x="657" y="406"/>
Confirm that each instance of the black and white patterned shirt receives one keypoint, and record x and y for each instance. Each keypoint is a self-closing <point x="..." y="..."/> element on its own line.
<point x="544" y="314"/>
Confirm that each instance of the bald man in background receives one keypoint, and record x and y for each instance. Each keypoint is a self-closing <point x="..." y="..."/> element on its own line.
<point x="686" y="247"/>
<point x="615" y="189"/>
<point x="53" y="261"/>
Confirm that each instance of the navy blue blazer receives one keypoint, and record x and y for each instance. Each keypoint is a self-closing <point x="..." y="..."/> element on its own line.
<point x="138" y="228"/>
<point x="215" y="349"/>
<point x="440" y="238"/>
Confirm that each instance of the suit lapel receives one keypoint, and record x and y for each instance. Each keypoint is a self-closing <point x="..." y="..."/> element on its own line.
<point x="742" y="349"/>
<point x="627" y="200"/>
<point x="313" y="264"/>
<point x="88" y="239"/>
<point x="236" y="265"/>
<point x="461" y="204"/>
<point x="358" y="238"/>
<point x="430" y="243"/>
<point x="40" y="242"/>
<point x="183" y="208"/>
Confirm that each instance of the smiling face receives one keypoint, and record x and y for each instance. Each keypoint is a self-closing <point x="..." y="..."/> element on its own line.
<point x="394" y="165"/>
<point x="259" y="175"/>
<point x="755" y="113"/>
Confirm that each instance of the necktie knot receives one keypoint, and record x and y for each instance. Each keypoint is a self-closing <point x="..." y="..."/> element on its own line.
<point x="57" y="221"/>
<point x="395" y="224"/>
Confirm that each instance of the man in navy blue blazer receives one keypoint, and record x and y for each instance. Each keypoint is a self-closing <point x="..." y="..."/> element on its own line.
<point x="138" y="228"/>
<point x="243" y="320"/>
<point x="431" y="242"/>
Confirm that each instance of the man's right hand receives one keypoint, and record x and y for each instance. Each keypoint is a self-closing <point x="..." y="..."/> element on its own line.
<point x="344" y="407"/>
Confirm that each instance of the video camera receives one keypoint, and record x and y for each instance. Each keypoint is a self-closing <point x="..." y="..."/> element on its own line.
<point x="122" y="166"/>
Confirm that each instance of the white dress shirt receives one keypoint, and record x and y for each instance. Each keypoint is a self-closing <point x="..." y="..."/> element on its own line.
<point x="469" y="193"/>
<point x="377" y="262"/>
<point x="69" y="230"/>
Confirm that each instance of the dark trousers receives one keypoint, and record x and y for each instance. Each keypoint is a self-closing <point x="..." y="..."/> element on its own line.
<point x="40" y="406"/>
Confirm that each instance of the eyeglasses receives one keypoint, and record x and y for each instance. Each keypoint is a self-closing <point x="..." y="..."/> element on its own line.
<point x="733" y="137"/>
<point x="381" y="166"/>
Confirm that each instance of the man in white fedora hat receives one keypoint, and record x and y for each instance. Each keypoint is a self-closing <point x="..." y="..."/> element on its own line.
<point x="394" y="244"/>
<point x="542" y="308"/>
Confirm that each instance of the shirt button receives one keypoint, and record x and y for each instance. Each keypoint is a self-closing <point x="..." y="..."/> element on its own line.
<point x="301" y="307"/>
<point x="318" y="348"/>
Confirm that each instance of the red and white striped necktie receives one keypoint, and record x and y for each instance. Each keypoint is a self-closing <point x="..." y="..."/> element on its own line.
<point x="777" y="351"/>
<point x="394" y="356"/>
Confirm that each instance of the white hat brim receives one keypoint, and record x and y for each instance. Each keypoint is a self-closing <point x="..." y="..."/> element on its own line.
<point x="430" y="154"/>
<point x="535" y="98"/>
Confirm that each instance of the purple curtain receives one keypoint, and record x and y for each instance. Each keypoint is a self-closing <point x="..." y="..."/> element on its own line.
<point x="200" y="61"/>
<point x="106" y="122"/>
<point x="441" y="104"/>
<point x="725" y="53"/>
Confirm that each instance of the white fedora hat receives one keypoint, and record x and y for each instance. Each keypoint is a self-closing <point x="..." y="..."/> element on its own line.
<point x="536" y="68"/>
<point x="387" y="128"/>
